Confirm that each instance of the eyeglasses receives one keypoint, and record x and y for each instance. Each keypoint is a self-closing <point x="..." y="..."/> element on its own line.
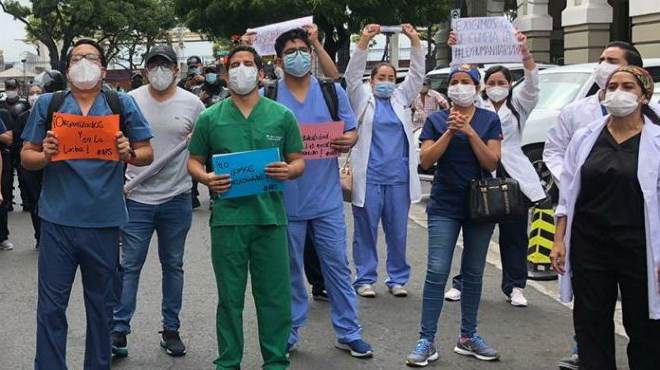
<point x="92" y="57"/>
<point x="295" y="50"/>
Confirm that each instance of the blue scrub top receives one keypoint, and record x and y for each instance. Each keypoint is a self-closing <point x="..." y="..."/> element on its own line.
<point x="458" y="165"/>
<point x="84" y="193"/>
<point x="317" y="192"/>
<point x="388" y="155"/>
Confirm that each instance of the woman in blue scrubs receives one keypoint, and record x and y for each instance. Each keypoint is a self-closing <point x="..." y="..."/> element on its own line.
<point x="384" y="161"/>
<point x="465" y="143"/>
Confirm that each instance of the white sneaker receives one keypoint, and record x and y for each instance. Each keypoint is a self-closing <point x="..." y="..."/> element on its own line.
<point x="517" y="298"/>
<point x="366" y="290"/>
<point x="398" y="291"/>
<point x="6" y="245"/>
<point x="453" y="295"/>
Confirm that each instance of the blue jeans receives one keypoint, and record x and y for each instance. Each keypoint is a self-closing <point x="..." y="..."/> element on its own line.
<point x="443" y="233"/>
<point x="513" y="253"/>
<point x="171" y="221"/>
<point x="62" y="250"/>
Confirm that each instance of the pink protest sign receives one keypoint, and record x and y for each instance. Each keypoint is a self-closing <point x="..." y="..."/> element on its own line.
<point x="317" y="138"/>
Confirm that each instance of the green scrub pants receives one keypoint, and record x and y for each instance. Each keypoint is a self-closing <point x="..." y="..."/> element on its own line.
<point x="264" y="250"/>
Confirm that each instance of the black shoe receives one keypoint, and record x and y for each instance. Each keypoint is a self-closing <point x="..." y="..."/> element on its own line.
<point x="320" y="295"/>
<point x="570" y="363"/>
<point x="196" y="203"/>
<point x="119" y="344"/>
<point x="171" y="342"/>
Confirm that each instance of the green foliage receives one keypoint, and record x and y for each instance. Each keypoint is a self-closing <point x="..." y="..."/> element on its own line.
<point x="118" y="24"/>
<point x="230" y="17"/>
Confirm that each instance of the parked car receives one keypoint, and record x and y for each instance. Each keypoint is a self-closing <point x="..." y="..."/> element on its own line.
<point x="656" y="93"/>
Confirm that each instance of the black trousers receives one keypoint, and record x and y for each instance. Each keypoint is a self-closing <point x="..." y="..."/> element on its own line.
<point x="603" y="262"/>
<point x="6" y="187"/>
<point x="514" y="241"/>
<point x="32" y="181"/>
<point x="313" y="265"/>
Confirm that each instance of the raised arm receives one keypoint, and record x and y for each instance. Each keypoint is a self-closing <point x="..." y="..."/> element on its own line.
<point x="412" y="84"/>
<point x="526" y="97"/>
<point x="328" y="65"/>
<point x="355" y="69"/>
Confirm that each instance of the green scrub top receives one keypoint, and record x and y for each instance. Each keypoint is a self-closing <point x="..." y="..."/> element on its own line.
<point x="223" y="129"/>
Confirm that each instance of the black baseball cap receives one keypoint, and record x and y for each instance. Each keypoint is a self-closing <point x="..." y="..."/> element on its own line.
<point x="164" y="51"/>
<point x="194" y="60"/>
<point x="11" y="84"/>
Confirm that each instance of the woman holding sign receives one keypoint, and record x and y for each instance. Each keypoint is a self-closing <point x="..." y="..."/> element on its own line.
<point x="385" y="178"/>
<point x="513" y="110"/>
<point x="465" y="143"/>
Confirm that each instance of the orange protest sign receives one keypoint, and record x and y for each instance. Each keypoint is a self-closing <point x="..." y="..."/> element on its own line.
<point x="86" y="137"/>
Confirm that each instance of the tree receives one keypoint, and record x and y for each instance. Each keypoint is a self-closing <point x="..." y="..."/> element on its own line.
<point x="338" y="19"/>
<point x="135" y="28"/>
<point x="58" y="23"/>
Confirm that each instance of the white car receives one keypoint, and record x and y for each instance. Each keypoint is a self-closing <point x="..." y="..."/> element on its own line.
<point x="559" y="87"/>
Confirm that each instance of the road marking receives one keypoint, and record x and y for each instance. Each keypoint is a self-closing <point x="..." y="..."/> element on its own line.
<point x="550" y="288"/>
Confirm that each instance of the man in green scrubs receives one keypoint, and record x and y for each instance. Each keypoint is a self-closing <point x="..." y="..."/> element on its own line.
<point x="249" y="232"/>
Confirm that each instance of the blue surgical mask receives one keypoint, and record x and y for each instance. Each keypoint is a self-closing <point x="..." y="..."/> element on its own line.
<point x="298" y="64"/>
<point x="211" y="78"/>
<point x="384" y="89"/>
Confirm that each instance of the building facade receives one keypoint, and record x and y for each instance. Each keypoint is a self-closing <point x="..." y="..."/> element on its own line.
<point x="574" y="31"/>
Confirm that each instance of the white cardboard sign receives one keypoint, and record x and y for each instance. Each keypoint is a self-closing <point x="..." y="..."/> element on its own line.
<point x="484" y="40"/>
<point x="265" y="36"/>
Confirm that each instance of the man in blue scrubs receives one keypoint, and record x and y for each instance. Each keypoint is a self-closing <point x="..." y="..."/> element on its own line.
<point x="314" y="200"/>
<point x="81" y="209"/>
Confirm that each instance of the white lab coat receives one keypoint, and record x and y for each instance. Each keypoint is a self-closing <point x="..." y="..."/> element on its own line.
<point x="363" y="104"/>
<point x="571" y="118"/>
<point x="649" y="181"/>
<point x="514" y="161"/>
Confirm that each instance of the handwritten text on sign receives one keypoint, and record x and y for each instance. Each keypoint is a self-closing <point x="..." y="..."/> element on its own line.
<point x="247" y="171"/>
<point x="484" y="40"/>
<point x="86" y="137"/>
<point x="317" y="139"/>
<point x="264" y="38"/>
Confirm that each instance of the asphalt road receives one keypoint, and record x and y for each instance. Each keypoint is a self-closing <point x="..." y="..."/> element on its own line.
<point x="528" y="338"/>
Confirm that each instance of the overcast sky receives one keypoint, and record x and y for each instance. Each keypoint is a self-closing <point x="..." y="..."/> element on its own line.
<point x="10" y="31"/>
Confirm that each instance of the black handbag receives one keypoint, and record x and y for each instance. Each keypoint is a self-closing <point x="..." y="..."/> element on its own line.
<point x="495" y="199"/>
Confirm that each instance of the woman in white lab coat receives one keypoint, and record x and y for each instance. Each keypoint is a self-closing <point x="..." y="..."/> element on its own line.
<point x="608" y="226"/>
<point x="384" y="162"/>
<point x="513" y="110"/>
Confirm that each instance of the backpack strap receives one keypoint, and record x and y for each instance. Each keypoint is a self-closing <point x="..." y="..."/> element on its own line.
<point x="329" y="90"/>
<point x="55" y="104"/>
<point x="112" y="98"/>
<point x="270" y="90"/>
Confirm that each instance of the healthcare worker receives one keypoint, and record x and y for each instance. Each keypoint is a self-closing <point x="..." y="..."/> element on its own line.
<point x="81" y="207"/>
<point x="465" y="143"/>
<point x="513" y="110"/>
<point x="384" y="162"/>
<point x="314" y="201"/>
<point x="584" y="111"/>
<point x="249" y="233"/>
<point x="608" y="226"/>
<point x="579" y="114"/>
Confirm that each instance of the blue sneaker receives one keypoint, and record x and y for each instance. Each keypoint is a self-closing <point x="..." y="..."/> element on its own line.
<point x="476" y="347"/>
<point x="423" y="353"/>
<point x="358" y="348"/>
